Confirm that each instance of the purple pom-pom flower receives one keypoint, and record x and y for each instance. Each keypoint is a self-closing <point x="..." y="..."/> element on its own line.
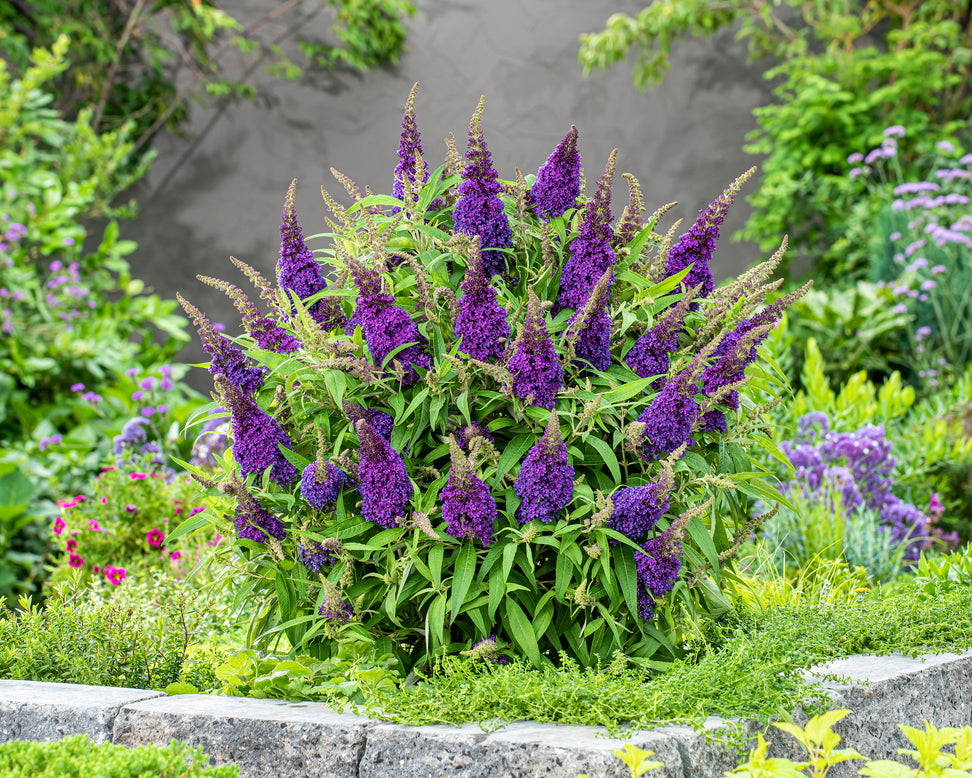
<point x="320" y="486"/>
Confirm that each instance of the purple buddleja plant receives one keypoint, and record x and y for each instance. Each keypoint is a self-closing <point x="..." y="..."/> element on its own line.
<point x="636" y="509"/>
<point x="316" y="556"/>
<point x="385" y="325"/>
<point x="299" y="272"/>
<point x="651" y="354"/>
<point x="410" y="144"/>
<point x="589" y="329"/>
<point x="557" y="185"/>
<point x="481" y="323"/>
<point x="670" y="417"/>
<point x="253" y="521"/>
<point x="697" y="246"/>
<point x="546" y="480"/>
<point x="380" y="422"/>
<point x="536" y="371"/>
<point x="321" y="481"/>
<point x="226" y="359"/>
<point x="265" y="330"/>
<point x="479" y="209"/>
<point x="385" y="487"/>
<point x="590" y="252"/>
<point x="658" y="564"/>
<point x="467" y="506"/>
<point x="257" y="436"/>
<point x="630" y="223"/>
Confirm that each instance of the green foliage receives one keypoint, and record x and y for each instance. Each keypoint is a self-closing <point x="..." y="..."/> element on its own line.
<point x="77" y="755"/>
<point x="820" y="742"/>
<point x="18" y="565"/>
<point x="371" y="32"/>
<point x="937" y="574"/>
<point x="749" y="667"/>
<point x="846" y="72"/>
<point x="543" y="589"/>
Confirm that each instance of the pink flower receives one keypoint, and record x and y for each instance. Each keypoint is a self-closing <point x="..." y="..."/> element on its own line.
<point x="115" y="575"/>
<point x="75" y="561"/>
<point x="138" y="476"/>
<point x="104" y="500"/>
<point x="93" y="525"/>
<point x="197" y="509"/>
<point x="96" y="569"/>
<point x="59" y="525"/>
<point x="176" y="555"/>
<point x="71" y="545"/>
<point x="155" y="537"/>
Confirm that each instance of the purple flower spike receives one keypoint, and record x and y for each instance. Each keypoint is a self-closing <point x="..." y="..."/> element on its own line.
<point x="636" y="509"/>
<point x="670" y="417"/>
<point x="651" y="353"/>
<point x="298" y="271"/>
<point x="697" y="246"/>
<point x="590" y="252"/>
<point x="226" y="359"/>
<point x="316" y="556"/>
<point x="590" y="328"/>
<point x="385" y="487"/>
<point x="658" y="565"/>
<point x="321" y="492"/>
<point x="467" y="505"/>
<point x="537" y="374"/>
<point x="256" y="523"/>
<point x="479" y="209"/>
<point x="381" y="422"/>
<point x="411" y="142"/>
<point x="256" y="436"/>
<point x="265" y="330"/>
<point x="482" y="321"/>
<point x="557" y="186"/>
<point x="546" y="480"/>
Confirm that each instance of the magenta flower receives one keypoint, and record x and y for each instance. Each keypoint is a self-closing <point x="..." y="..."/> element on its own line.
<point x="557" y="185"/>
<point x="155" y="537"/>
<point x="75" y="561"/>
<point x="545" y="483"/>
<point x="71" y="545"/>
<point x="479" y="209"/>
<point x="59" y="525"/>
<point x="115" y="575"/>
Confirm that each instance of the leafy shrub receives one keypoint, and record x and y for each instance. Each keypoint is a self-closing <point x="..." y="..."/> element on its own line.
<point x="80" y="756"/>
<point x="571" y="396"/>
<point x="845" y="72"/>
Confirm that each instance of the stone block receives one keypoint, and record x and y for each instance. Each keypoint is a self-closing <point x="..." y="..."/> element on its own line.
<point x="30" y="710"/>
<point x="263" y="737"/>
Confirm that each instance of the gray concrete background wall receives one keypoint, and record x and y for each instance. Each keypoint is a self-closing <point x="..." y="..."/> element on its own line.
<point x="221" y="191"/>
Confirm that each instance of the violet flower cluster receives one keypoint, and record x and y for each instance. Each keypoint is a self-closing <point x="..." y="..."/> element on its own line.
<point x="256" y="523"/>
<point x="546" y="480"/>
<point x="409" y="145"/>
<point x="537" y="374"/>
<point x="637" y="509"/>
<point x="467" y="506"/>
<point x="557" y="185"/>
<point x="657" y="566"/>
<point x="670" y="417"/>
<point x="481" y="323"/>
<point x="385" y="487"/>
<point x="380" y="422"/>
<point x="856" y="467"/>
<point x="321" y="489"/>
<point x="479" y="209"/>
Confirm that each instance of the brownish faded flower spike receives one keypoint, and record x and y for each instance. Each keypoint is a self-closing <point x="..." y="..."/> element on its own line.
<point x="267" y="290"/>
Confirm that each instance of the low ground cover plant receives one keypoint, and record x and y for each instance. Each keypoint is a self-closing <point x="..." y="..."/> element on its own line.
<point x="510" y="418"/>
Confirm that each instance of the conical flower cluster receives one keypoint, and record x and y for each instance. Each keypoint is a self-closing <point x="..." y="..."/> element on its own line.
<point x="410" y="144"/>
<point x="636" y="509"/>
<point x="481" y="323"/>
<point x="670" y="418"/>
<point x="651" y="353"/>
<point x="546" y="480"/>
<point x="479" y="209"/>
<point x="657" y="566"/>
<point x="467" y="506"/>
<point x="265" y="330"/>
<point x="537" y="374"/>
<point x="385" y="487"/>
<point x="254" y="522"/>
<point x="557" y="185"/>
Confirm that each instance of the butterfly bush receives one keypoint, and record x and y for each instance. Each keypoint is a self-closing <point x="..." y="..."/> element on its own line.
<point x="501" y="428"/>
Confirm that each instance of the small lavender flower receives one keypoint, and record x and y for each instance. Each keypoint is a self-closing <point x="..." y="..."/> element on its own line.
<point x="670" y="417"/>
<point x="385" y="487"/>
<point x="254" y="522"/>
<point x="256" y="436"/>
<point x="590" y="252"/>
<point x="380" y="422"/>
<point x="132" y="434"/>
<point x="697" y="246"/>
<point x="411" y="142"/>
<point x="546" y="480"/>
<point x="227" y="359"/>
<point x="481" y="323"/>
<point x="537" y="374"/>
<point x="636" y="509"/>
<point x="557" y="185"/>
<point x="467" y="505"/>
<point x="298" y="271"/>
<point x="479" y="209"/>
<point x="320" y="486"/>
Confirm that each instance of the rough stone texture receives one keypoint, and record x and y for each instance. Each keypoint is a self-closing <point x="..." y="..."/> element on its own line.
<point x="48" y="711"/>
<point x="263" y="737"/>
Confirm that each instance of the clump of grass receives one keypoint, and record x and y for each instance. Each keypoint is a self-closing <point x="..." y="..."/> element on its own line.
<point x="749" y="666"/>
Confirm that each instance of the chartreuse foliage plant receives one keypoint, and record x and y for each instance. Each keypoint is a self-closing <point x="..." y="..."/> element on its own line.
<point x="843" y="73"/>
<point x="507" y="418"/>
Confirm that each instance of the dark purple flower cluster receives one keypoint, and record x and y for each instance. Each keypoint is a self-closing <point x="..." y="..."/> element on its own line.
<point x="226" y="359"/>
<point x="857" y="467"/>
<point x="479" y="209"/>
<point x="411" y="142"/>
<point x="380" y="422"/>
<point x="557" y="185"/>
<point x="315" y="556"/>
<point x="593" y="346"/>
<point x="536" y="371"/>
<point x="385" y="487"/>
<point x="298" y="271"/>
<point x="256" y="523"/>
<point x="590" y="252"/>
<point x="481" y="323"/>
<point x="546" y="480"/>
<point x="321" y="492"/>
<point x="670" y="417"/>
<point x="636" y="509"/>
<point x="467" y="505"/>
<point x="651" y="353"/>
<point x="256" y="436"/>
<point x="658" y="564"/>
<point x="335" y="610"/>
<point x="265" y="330"/>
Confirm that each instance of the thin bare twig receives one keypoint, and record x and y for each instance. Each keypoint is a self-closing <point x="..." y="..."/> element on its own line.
<point x="110" y="78"/>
